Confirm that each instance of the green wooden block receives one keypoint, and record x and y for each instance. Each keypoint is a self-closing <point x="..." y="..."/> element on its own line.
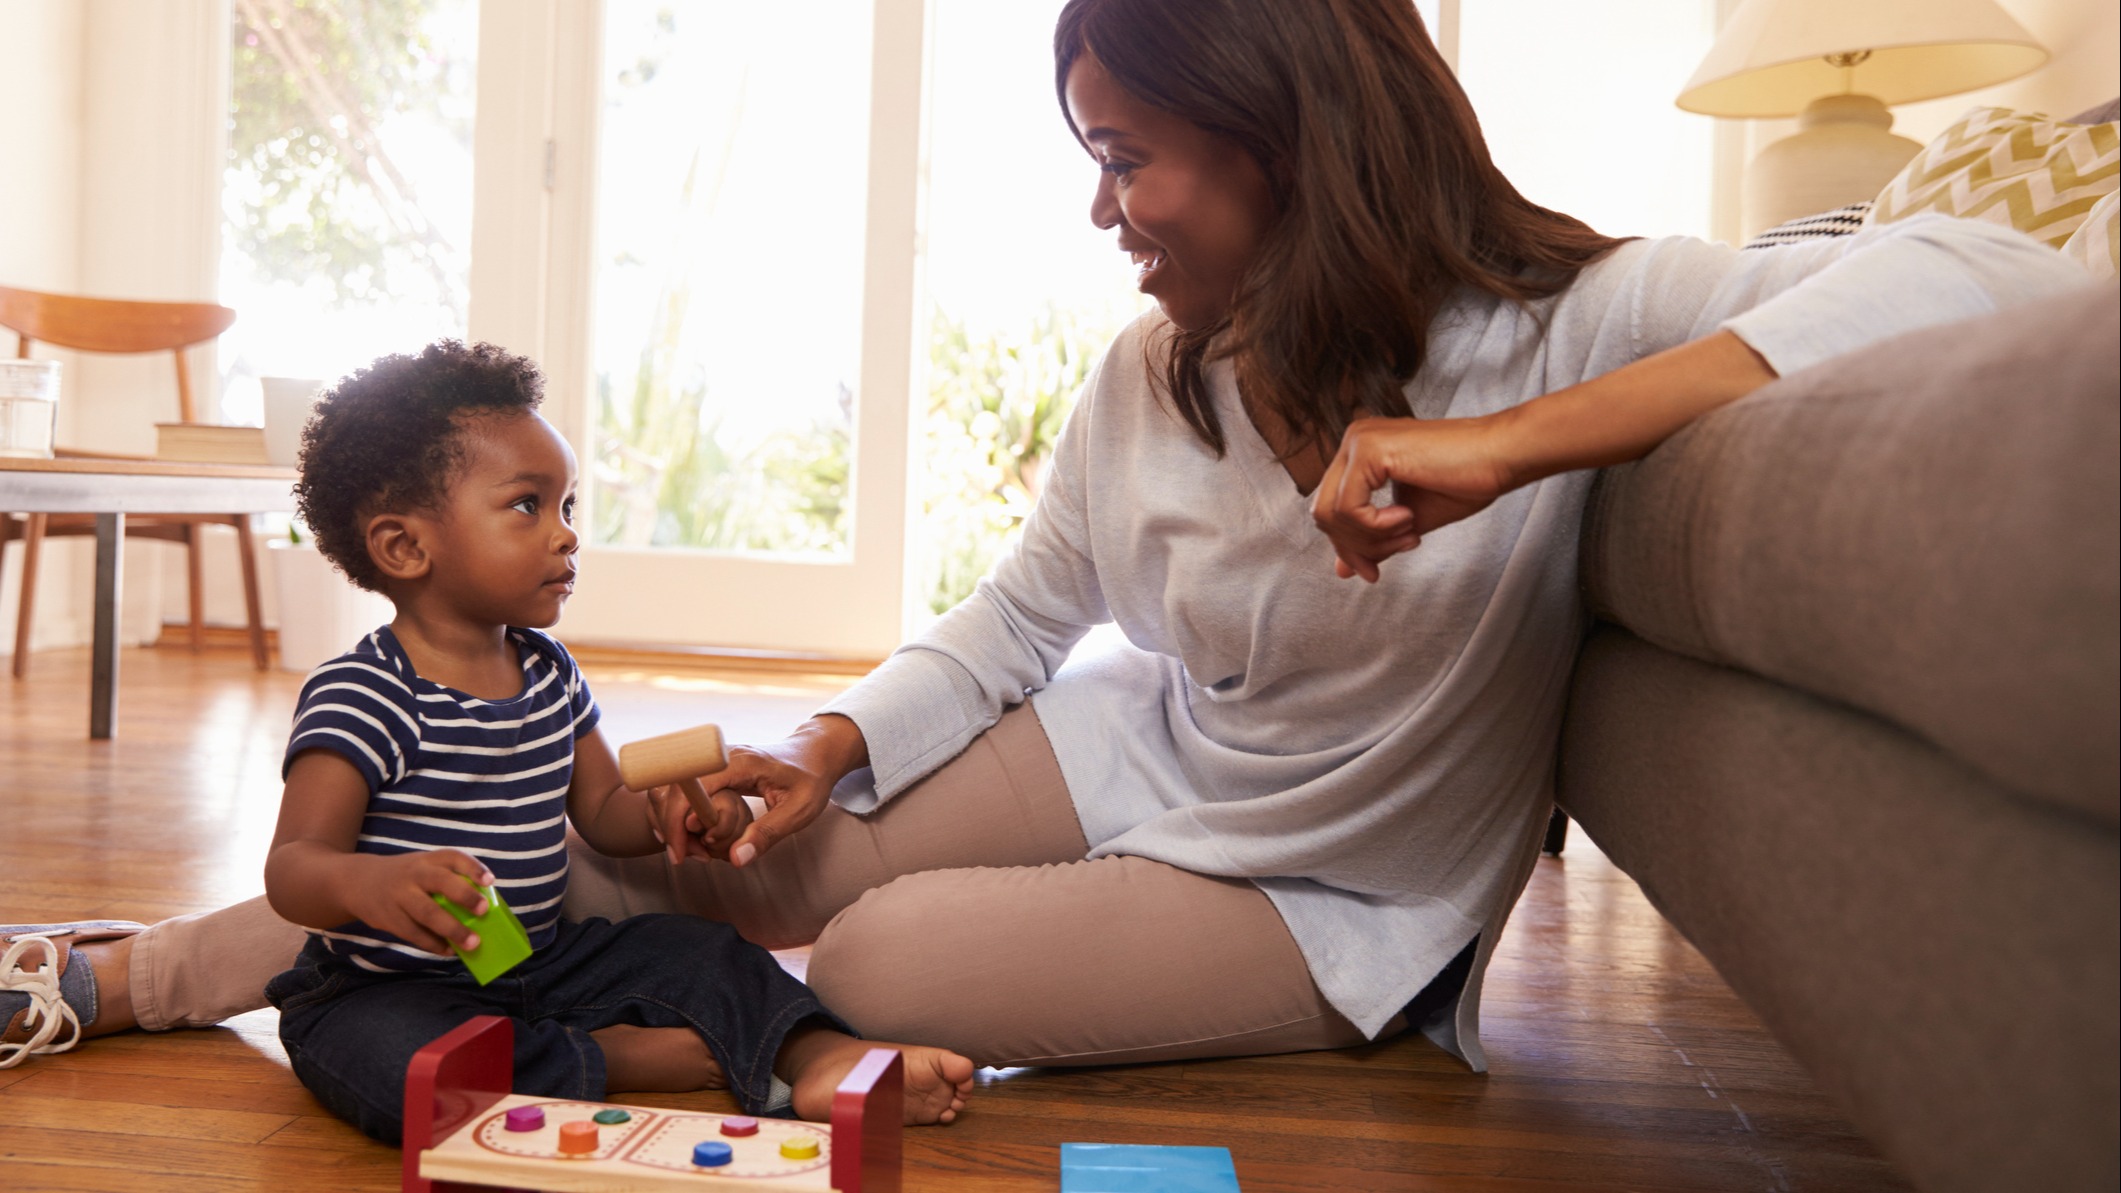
<point x="503" y="944"/>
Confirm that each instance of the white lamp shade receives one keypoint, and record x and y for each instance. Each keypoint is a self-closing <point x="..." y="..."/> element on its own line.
<point x="1770" y="59"/>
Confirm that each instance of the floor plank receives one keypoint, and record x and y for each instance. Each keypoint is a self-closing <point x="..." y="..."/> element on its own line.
<point x="1619" y="1059"/>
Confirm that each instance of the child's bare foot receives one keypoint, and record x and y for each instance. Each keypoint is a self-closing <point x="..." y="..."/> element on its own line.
<point x="813" y="1061"/>
<point x="657" y="1060"/>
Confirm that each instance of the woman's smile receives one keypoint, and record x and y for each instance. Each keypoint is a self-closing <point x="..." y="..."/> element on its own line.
<point x="1146" y="262"/>
<point x="1190" y="207"/>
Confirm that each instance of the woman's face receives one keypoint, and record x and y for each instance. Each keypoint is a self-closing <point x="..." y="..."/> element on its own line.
<point x="1190" y="206"/>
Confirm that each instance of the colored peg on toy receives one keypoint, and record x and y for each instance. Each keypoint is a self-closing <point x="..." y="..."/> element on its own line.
<point x="578" y="1139"/>
<point x="680" y="758"/>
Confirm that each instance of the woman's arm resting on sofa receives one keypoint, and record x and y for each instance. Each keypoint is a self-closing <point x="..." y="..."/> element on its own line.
<point x="1442" y="470"/>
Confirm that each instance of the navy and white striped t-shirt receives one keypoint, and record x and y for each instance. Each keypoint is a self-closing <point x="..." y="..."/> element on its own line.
<point x="450" y="771"/>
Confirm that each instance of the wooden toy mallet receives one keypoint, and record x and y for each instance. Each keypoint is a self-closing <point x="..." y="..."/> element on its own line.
<point x="680" y="758"/>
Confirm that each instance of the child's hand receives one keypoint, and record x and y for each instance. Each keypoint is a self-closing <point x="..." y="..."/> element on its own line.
<point x="395" y="893"/>
<point x="731" y="817"/>
<point x="671" y="818"/>
<point x="674" y="813"/>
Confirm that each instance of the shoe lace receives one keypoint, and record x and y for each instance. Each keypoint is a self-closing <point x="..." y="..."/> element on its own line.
<point x="48" y="1012"/>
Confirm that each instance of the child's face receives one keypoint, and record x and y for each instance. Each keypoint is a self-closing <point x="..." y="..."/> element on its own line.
<point x="505" y="543"/>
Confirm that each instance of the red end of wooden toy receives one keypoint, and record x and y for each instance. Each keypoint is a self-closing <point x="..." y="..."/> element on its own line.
<point x="868" y="1119"/>
<point x="450" y="1082"/>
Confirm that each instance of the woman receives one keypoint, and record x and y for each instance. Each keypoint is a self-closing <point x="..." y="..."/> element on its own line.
<point x="1294" y="812"/>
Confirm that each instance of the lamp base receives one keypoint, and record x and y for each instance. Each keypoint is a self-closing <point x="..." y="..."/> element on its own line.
<point x="1842" y="153"/>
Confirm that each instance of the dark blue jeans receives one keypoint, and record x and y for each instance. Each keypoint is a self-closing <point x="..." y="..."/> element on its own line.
<point x="350" y="1033"/>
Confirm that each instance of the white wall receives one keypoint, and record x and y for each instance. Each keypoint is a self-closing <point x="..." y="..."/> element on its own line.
<point x="156" y="83"/>
<point x="1575" y="99"/>
<point x="41" y="139"/>
<point x="40" y="238"/>
<point x="112" y="188"/>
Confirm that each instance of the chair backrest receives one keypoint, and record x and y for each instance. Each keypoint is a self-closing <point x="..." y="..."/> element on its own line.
<point x="114" y="325"/>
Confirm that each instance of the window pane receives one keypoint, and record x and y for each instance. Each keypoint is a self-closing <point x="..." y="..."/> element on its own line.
<point x="731" y="211"/>
<point x="347" y="199"/>
<point x="1025" y="292"/>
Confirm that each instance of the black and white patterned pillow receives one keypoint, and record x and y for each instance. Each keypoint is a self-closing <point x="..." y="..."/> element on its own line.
<point x="1841" y="221"/>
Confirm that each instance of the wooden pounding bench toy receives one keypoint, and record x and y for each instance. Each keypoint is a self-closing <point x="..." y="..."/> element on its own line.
<point x="680" y="758"/>
<point x="465" y="1131"/>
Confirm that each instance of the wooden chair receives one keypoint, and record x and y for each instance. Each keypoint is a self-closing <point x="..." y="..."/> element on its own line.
<point x="111" y="325"/>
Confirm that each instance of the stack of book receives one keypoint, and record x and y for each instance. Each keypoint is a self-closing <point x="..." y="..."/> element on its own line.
<point x="206" y="443"/>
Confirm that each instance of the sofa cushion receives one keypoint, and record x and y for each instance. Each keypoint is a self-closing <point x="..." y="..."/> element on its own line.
<point x="1926" y="529"/>
<point x="1939" y="954"/>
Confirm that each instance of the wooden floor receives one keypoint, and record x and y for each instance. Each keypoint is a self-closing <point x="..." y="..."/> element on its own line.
<point x="1619" y="1059"/>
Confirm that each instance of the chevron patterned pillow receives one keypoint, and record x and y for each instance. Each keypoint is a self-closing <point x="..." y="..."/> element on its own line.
<point x="2036" y="174"/>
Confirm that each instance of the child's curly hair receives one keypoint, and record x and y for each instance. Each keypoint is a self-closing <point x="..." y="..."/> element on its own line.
<point x="388" y="438"/>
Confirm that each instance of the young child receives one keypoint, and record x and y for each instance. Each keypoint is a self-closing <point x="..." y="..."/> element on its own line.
<point x="451" y="748"/>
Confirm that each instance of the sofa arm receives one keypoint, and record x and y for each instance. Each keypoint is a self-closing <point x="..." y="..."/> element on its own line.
<point x="1927" y="529"/>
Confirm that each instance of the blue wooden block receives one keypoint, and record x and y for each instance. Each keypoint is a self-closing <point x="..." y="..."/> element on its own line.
<point x="1133" y="1168"/>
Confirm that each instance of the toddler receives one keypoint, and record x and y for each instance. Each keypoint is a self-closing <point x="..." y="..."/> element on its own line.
<point x="450" y="750"/>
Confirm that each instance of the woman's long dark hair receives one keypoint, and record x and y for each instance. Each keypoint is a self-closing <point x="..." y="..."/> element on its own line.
<point x="1386" y="198"/>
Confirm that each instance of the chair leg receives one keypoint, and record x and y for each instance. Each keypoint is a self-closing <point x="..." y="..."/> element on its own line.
<point x="197" y="578"/>
<point x="26" y="607"/>
<point x="247" y="547"/>
<point x="1557" y="832"/>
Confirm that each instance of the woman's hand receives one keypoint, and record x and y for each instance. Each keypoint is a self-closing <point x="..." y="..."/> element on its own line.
<point x="794" y="777"/>
<point x="1445" y="469"/>
<point x="1440" y="470"/>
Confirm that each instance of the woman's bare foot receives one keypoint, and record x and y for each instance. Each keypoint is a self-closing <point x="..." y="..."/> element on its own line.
<point x="813" y="1060"/>
<point x="657" y="1060"/>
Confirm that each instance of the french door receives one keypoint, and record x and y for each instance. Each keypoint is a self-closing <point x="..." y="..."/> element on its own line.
<point x="700" y="218"/>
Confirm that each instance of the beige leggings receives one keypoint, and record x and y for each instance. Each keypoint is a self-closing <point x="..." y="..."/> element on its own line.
<point x="962" y="913"/>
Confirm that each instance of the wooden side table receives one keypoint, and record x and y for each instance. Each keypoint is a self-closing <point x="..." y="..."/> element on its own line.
<point x="113" y="488"/>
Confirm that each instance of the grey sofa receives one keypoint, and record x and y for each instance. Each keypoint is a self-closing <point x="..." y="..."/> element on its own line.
<point x="1850" y="718"/>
